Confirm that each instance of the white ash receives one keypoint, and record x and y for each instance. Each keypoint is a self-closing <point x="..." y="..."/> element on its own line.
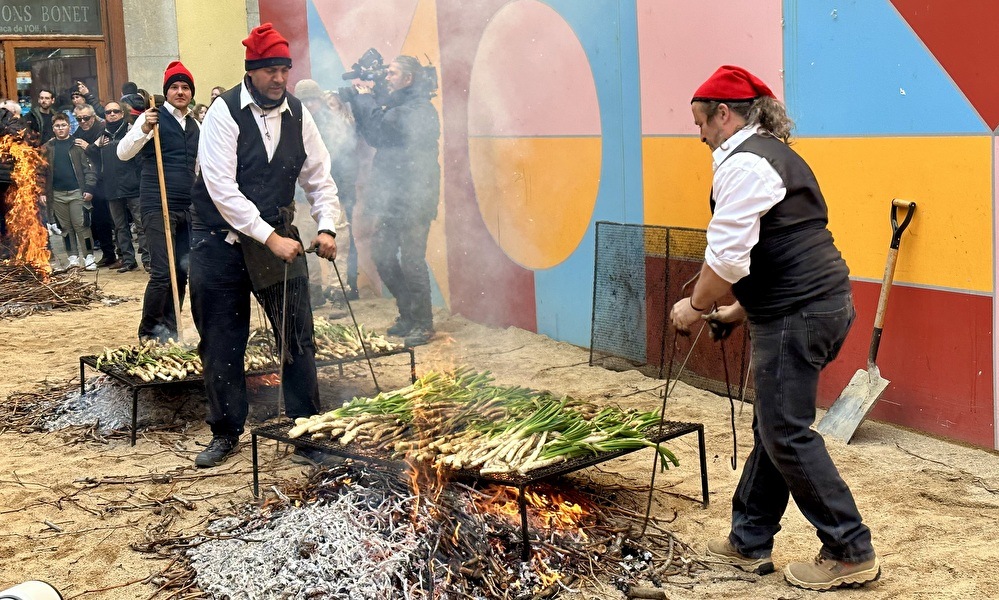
<point x="359" y="545"/>
<point x="108" y="405"/>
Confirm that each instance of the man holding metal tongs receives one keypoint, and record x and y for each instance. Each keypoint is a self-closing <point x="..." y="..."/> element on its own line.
<point x="769" y="244"/>
<point x="257" y="141"/>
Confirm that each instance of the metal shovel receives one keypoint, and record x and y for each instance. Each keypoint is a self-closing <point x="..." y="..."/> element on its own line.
<point x="858" y="397"/>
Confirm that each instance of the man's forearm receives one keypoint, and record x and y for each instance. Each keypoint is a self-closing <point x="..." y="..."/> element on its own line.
<point x="708" y="289"/>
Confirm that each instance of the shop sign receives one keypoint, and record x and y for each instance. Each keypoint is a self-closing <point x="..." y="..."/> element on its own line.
<point x="50" y="17"/>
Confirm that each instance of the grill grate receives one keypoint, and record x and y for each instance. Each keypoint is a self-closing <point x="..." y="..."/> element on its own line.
<point x="668" y="430"/>
<point x="135" y="383"/>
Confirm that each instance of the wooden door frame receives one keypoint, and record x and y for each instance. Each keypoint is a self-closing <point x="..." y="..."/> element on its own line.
<point x="112" y="62"/>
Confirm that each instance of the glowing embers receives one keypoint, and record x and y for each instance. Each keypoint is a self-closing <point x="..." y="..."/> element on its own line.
<point x="29" y="238"/>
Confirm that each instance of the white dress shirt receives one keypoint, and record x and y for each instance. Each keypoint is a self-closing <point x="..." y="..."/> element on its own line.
<point x="217" y="155"/>
<point x="135" y="139"/>
<point x="745" y="187"/>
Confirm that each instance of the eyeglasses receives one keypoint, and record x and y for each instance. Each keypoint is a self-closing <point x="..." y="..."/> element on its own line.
<point x="112" y="111"/>
<point x="85" y="119"/>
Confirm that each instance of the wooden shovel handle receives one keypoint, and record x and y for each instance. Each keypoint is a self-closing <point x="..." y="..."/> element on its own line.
<point x="889" y="276"/>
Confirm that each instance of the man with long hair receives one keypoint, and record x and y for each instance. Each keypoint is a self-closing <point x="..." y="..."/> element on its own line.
<point x="769" y="244"/>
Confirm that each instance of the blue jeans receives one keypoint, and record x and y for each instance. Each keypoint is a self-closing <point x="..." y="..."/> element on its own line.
<point x="220" y="303"/>
<point x="788" y="457"/>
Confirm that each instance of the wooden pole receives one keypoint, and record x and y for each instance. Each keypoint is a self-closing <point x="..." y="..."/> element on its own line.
<point x="166" y="224"/>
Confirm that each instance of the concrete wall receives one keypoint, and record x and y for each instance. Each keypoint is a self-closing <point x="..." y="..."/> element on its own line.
<point x="151" y="41"/>
<point x="205" y="36"/>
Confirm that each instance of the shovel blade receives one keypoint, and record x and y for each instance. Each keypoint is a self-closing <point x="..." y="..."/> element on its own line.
<point x="853" y="405"/>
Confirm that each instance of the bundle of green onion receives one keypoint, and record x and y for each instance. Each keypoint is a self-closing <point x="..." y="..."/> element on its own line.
<point x="463" y="420"/>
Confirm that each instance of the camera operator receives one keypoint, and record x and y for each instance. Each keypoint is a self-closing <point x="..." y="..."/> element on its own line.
<point x="404" y="187"/>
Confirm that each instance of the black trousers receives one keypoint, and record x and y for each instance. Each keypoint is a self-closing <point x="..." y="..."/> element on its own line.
<point x="158" y="318"/>
<point x="102" y="227"/>
<point x="220" y="303"/>
<point x="399" y="250"/>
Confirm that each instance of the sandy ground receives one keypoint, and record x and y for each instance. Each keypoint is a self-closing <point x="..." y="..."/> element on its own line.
<point x="932" y="505"/>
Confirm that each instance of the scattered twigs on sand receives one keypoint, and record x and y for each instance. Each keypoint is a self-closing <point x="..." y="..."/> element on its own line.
<point x="24" y="291"/>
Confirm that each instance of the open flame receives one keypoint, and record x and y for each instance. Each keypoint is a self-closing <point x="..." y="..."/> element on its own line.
<point x="253" y="384"/>
<point x="547" y="510"/>
<point x="24" y="224"/>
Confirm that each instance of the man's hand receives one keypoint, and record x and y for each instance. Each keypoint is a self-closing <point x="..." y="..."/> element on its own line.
<point x="683" y="315"/>
<point x="87" y="198"/>
<point x="152" y="117"/>
<point x="325" y="246"/>
<point x="42" y="199"/>
<point x="82" y="143"/>
<point x="724" y="319"/>
<point x="284" y="248"/>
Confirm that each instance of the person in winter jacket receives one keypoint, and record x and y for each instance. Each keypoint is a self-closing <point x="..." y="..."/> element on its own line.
<point x="69" y="182"/>
<point x="404" y="189"/>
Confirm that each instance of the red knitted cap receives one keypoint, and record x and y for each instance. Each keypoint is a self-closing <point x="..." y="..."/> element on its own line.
<point x="176" y="71"/>
<point x="731" y="83"/>
<point x="265" y="47"/>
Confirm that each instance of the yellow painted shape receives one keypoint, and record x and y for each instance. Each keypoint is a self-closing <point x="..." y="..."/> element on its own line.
<point x="949" y="242"/>
<point x="422" y="42"/>
<point x="536" y="195"/>
<point x="209" y="36"/>
<point x="677" y="181"/>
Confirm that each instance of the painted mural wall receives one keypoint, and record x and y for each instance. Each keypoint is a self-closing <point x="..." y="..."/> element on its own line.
<point x="561" y="113"/>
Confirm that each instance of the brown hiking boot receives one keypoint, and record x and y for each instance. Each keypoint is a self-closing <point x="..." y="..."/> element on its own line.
<point x="724" y="552"/>
<point x="828" y="574"/>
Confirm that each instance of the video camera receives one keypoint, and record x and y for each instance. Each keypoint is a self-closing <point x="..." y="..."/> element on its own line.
<point x="371" y="67"/>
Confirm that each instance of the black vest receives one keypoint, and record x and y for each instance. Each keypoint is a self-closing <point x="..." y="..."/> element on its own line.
<point x="269" y="185"/>
<point x="180" y="152"/>
<point x="795" y="261"/>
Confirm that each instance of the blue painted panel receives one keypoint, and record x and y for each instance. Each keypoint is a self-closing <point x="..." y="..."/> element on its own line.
<point x="608" y="33"/>
<point x="855" y="67"/>
<point x="327" y="67"/>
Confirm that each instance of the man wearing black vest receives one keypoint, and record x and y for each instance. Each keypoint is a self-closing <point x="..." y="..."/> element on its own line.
<point x="179" y="134"/>
<point x="768" y="243"/>
<point x="257" y="141"/>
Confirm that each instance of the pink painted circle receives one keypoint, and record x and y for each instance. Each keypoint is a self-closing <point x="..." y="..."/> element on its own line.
<point x="534" y="134"/>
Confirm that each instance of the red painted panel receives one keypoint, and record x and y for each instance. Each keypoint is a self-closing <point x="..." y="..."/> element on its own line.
<point x="486" y="286"/>
<point x="962" y="37"/>
<point x="936" y="350"/>
<point x="706" y="361"/>
<point x="290" y="18"/>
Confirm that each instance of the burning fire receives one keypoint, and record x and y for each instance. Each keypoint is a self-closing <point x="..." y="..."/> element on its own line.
<point x="254" y="384"/>
<point x="24" y="224"/>
<point x="548" y="509"/>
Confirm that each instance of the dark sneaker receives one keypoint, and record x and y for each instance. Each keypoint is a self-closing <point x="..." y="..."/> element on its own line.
<point x="400" y="328"/>
<point x="217" y="451"/>
<point x="724" y="552"/>
<point x="107" y="261"/>
<point x="308" y="456"/>
<point x="827" y="574"/>
<point x="125" y="268"/>
<point x="352" y="293"/>
<point x="418" y="336"/>
<point x="147" y="267"/>
<point x="114" y="265"/>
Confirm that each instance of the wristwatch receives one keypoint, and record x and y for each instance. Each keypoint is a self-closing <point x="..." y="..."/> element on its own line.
<point x="327" y="231"/>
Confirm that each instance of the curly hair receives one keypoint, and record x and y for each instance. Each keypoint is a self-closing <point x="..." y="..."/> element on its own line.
<point x="766" y="112"/>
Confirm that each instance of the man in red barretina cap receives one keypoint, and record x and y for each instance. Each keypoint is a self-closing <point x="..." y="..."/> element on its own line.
<point x="769" y="244"/>
<point x="257" y="141"/>
<point x="179" y="134"/>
